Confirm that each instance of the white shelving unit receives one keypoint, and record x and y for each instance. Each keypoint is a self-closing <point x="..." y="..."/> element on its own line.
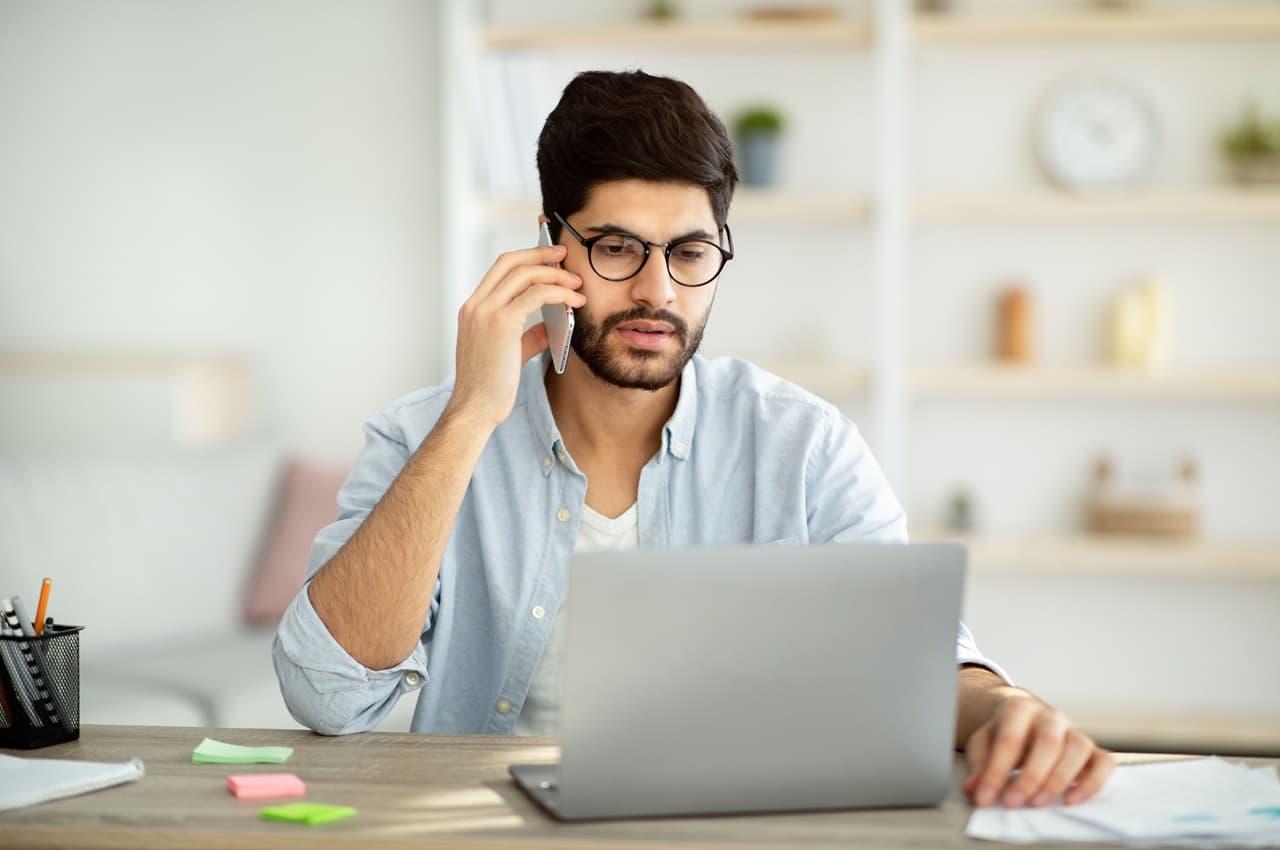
<point x="887" y="214"/>
<point x="892" y="208"/>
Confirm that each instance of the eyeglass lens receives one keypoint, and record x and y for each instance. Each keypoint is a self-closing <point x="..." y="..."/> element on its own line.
<point x="692" y="263"/>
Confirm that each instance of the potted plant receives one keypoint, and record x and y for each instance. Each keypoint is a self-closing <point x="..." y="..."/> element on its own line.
<point x="757" y="129"/>
<point x="1252" y="146"/>
<point x="662" y="10"/>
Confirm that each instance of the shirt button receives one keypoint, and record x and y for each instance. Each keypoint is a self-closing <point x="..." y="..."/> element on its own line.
<point x="680" y="447"/>
<point x="564" y="458"/>
<point x="546" y="463"/>
<point x="503" y="706"/>
<point x="539" y="612"/>
<point x="563" y="515"/>
<point x="412" y="679"/>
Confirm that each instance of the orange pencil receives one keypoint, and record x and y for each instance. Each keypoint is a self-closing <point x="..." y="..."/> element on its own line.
<point x="42" y="605"/>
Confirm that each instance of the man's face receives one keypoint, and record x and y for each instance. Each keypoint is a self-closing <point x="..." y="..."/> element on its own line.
<point x="639" y="333"/>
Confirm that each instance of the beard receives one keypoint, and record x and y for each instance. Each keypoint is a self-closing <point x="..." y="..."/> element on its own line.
<point x="613" y="361"/>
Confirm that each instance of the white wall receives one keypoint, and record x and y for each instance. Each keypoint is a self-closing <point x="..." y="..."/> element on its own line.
<point x="256" y="176"/>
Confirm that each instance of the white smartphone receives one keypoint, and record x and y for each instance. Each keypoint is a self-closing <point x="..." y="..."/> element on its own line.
<point x="557" y="317"/>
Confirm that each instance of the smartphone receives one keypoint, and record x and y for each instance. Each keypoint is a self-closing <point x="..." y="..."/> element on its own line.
<point x="557" y="317"/>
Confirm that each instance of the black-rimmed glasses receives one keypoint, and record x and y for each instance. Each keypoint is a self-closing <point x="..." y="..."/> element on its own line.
<point x="621" y="256"/>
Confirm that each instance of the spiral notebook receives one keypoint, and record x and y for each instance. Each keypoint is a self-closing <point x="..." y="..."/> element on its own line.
<point x="26" y="782"/>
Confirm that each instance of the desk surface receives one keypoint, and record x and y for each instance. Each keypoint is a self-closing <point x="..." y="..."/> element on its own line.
<point x="411" y="791"/>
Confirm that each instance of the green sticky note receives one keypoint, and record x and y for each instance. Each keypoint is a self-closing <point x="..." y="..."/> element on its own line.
<point x="308" y="813"/>
<point x="216" y="752"/>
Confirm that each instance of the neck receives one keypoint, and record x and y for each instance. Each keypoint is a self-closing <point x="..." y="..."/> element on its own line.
<point x="598" y="419"/>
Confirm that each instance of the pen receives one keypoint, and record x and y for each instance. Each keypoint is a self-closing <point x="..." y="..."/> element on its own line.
<point x="42" y="605"/>
<point x="35" y="656"/>
<point x="24" y="687"/>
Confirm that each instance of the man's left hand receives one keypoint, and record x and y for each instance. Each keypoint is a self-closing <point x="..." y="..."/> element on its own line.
<point x="1054" y="757"/>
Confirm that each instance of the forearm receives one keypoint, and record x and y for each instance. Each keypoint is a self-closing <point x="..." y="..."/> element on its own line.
<point x="374" y="593"/>
<point x="979" y="691"/>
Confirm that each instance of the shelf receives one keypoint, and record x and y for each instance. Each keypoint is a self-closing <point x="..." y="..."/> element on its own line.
<point x="110" y="364"/>
<point x="1043" y="382"/>
<point x="1100" y="382"/>
<point x="211" y="393"/>
<point x="938" y="29"/>
<point x="823" y="379"/>
<point x="749" y="205"/>
<point x="1073" y="555"/>
<point x="1206" y="205"/>
<point x="1243" y="733"/>
<point x="1244" y="204"/>
<point x="683" y="34"/>
<point x="1139" y="25"/>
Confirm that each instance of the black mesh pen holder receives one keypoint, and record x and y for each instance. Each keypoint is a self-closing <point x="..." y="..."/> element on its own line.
<point x="40" y="688"/>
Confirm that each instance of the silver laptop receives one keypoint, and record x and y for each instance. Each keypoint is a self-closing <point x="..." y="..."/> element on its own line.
<point x="755" y="678"/>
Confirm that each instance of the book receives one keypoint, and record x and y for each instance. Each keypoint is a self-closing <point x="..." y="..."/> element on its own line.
<point x="27" y="781"/>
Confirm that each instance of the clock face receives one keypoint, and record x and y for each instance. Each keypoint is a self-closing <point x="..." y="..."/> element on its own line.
<point x="1095" y="133"/>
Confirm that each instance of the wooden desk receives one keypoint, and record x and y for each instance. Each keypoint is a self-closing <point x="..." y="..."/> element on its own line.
<point x="412" y="791"/>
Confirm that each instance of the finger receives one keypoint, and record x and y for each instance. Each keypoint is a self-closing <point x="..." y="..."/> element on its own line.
<point x="1100" y="768"/>
<point x="1075" y="755"/>
<point x="533" y="342"/>
<point x="1008" y="740"/>
<point x="1048" y="737"/>
<point x="975" y="753"/>
<point x="523" y="277"/>
<point x="511" y="259"/>
<point x="541" y="294"/>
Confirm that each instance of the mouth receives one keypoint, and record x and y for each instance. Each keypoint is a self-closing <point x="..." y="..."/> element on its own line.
<point x="650" y="336"/>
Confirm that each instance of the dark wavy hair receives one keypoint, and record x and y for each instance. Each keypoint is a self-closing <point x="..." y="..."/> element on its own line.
<point x="631" y="125"/>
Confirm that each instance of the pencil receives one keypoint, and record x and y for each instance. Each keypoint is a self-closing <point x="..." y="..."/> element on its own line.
<point x="42" y="605"/>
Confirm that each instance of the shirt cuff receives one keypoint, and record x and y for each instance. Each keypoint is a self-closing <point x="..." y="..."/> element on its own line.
<point x="963" y="657"/>
<point x="306" y="641"/>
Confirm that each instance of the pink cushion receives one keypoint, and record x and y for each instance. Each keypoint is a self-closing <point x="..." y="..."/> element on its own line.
<point x="307" y="502"/>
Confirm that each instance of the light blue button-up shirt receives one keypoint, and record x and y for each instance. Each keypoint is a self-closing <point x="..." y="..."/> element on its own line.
<point x="745" y="457"/>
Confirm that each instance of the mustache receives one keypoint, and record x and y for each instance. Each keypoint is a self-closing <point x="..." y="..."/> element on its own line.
<point x="640" y="314"/>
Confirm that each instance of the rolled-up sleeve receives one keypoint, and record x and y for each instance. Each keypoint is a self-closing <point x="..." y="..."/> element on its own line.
<point x="851" y="501"/>
<point x="324" y="688"/>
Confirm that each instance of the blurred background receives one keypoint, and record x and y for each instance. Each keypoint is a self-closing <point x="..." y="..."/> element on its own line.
<point x="1030" y="248"/>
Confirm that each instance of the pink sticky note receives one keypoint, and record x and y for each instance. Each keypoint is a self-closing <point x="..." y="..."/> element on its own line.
<point x="248" y="786"/>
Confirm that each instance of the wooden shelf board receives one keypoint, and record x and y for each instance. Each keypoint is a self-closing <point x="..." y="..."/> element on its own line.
<point x="748" y="205"/>
<point x="824" y="379"/>
<point x="683" y="34"/>
<point x="1102" y="382"/>
<point x="1199" y="731"/>
<point x="1113" y="205"/>
<point x="1120" y="556"/>
<point x="116" y="364"/>
<point x="212" y="393"/>
<point x="1223" y="23"/>
<point x="1225" y="204"/>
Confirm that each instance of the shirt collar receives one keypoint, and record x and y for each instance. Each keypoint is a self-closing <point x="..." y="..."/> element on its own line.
<point x="677" y="434"/>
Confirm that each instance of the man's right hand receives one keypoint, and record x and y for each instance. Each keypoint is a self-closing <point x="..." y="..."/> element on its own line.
<point x="491" y="346"/>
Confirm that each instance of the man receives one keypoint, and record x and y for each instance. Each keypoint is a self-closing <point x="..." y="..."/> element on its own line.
<point x="445" y="571"/>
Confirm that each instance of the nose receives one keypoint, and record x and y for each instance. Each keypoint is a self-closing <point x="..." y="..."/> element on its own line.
<point x="653" y="286"/>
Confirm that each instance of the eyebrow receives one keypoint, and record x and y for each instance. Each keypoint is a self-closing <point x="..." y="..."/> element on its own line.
<point x="610" y="227"/>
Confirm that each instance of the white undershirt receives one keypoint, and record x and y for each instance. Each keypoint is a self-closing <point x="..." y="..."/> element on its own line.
<point x="540" y="714"/>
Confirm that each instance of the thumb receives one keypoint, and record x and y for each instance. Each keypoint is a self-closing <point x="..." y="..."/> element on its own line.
<point x="976" y="755"/>
<point x="533" y="342"/>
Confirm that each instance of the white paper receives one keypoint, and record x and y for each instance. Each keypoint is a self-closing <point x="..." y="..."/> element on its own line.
<point x="1196" y="802"/>
<point x="27" y="781"/>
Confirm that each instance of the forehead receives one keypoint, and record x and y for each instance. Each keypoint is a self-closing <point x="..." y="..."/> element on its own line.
<point x="657" y="210"/>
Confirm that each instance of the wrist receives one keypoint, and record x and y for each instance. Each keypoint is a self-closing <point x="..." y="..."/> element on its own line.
<point x="469" y="416"/>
